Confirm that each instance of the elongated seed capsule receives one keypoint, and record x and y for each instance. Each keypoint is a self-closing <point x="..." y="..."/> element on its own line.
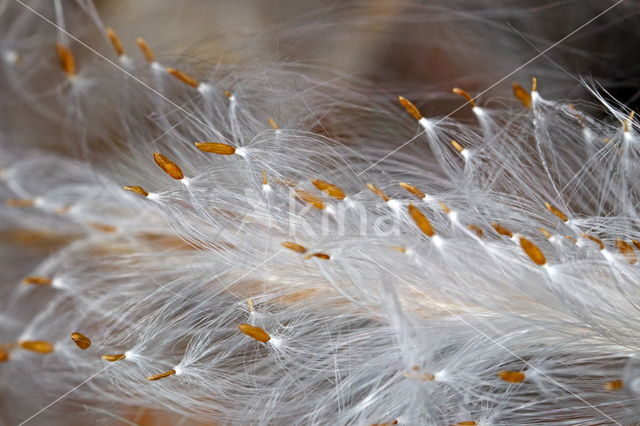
<point x="38" y="346"/>
<point x="614" y="385"/>
<point x="378" y="192"/>
<point x="67" y="63"/>
<point x="20" y="202"/>
<point x="465" y="95"/>
<point x="323" y="256"/>
<point x="185" y="78"/>
<point x="146" y="50"/>
<point x="216" y="148"/>
<point x="308" y="197"/>
<point x="563" y="217"/>
<point x="502" y="230"/>
<point x="522" y="95"/>
<point x="293" y="246"/>
<point x="332" y="190"/>
<point x="412" y="189"/>
<point x="512" y="376"/>
<point x="532" y="250"/>
<point x="137" y="189"/>
<point x="627" y="251"/>
<point x="256" y="332"/>
<point x="411" y="108"/>
<point x="421" y="220"/>
<point x="115" y="41"/>
<point x="113" y="357"/>
<point x="596" y="240"/>
<point x="479" y="232"/>
<point x="161" y="375"/>
<point x="168" y="166"/>
<point x="36" y="280"/>
<point x="81" y="341"/>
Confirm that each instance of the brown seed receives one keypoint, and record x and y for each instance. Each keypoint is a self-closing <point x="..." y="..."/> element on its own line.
<point x="168" y="166"/>
<point x="522" y="95"/>
<point x="185" y="78"/>
<point x="502" y="230"/>
<point x="532" y="250"/>
<point x="323" y="256"/>
<point x="161" y="375"/>
<point x="108" y="229"/>
<point x="466" y="424"/>
<point x="308" y="197"/>
<point x="444" y="207"/>
<point x="596" y="240"/>
<point x="421" y="220"/>
<point x="412" y="189"/>
<point x="411" y="108"/>
<point x="415" y="374"/>
<point x="628" y="121"/>
<point x="265" y="181"/>
<point x="512" y="376"/>
<point x="627" y="251"/>
<point x="114" y="357"/>
<point x="563" y="217"/>
<point x="614" y="385"/>
<point x="115" y="41"/>
<point x="81" y="341"/>
<point x="332" y="190"/>
<point x="216" y="148"/>
<point x="273" y="124"/>
<point x="293" y="246"/>
<point x="479" y="232"/>
<point x="457" y="146"/>
<point x="546" y="233"/>
<point x="137" y="189"/>
<point x="18" y="203"/>
<point x="255" y="332"/>
<point x="465" y="95"/>
<point x="4" y="355"/>
<point x="378" y="192"/>
<point x="67" y="62"/>
<point x="37" y="280"/>
<point x="146" y="50"/>
<point x="39" y="346"/>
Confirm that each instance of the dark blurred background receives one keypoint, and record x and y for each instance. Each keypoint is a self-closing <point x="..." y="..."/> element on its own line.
<point x="421" y="46"/>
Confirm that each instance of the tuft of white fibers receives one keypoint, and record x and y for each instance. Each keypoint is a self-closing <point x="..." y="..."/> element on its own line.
<point x="241" y="244"/>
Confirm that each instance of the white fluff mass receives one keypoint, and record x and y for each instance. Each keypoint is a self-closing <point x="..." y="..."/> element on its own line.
<point x="492" y="280"/>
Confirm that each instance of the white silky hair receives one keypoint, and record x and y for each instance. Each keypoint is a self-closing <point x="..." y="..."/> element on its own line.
<point x="371" y="318"/>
